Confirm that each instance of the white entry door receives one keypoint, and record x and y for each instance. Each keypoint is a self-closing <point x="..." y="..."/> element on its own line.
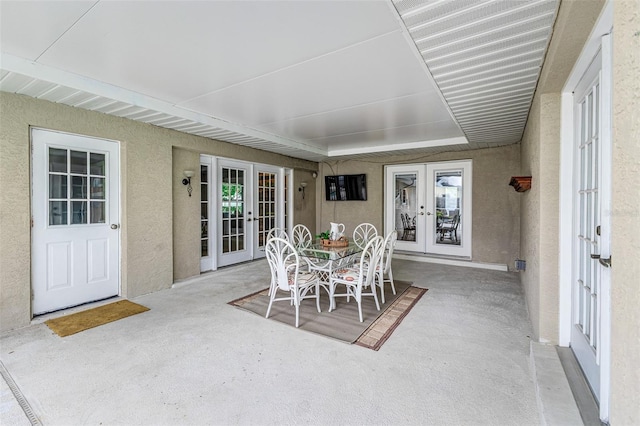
<point x="235" y="215"/>
<point x="76" y="214"/>
<point x="591" y="252"/>
<point x="430" y="207"/>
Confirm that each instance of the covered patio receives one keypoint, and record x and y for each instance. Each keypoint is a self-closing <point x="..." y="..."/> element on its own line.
<point x="463" y="355"/>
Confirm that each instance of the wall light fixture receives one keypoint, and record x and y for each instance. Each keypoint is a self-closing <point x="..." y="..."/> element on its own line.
<point x="303" y="185"/>
<point x="187" y="180"/>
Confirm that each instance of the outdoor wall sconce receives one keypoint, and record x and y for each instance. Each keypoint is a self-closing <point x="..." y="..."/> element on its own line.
<point x="187" y="180"/>
<point x="521" y="183"/>
<point x="303" y="185"/>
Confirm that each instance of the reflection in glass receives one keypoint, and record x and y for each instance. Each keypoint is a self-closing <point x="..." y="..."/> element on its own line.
<point x="97" y="188"/>
<point x="97" y="164"/>
<point x="405" y="206"/>
<point x="78" y="212"/>
<point x="57" y="160"/>
<point x="204" y="212"/>
<point x="205" y="230"/>
<point x="204" y="250"/>
<point x="78" y="187"/>
<point x="57" y="212"/>
<point x="57" y="186"/>
<point x="98" y="214"/>
<point x="79" y="162"/>
<point x="448" y="202"/>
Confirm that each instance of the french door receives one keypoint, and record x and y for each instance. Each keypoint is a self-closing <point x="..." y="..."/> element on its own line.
<point x="235" y="211"/>
<point x="76" y="220"/>
<point x="591" y="227"/>
<point x="240" y="203"/>
<point x="430" y="207"/>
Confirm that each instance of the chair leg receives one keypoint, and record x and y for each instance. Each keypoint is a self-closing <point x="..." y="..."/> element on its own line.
<point x="390" y="279"/>
<point x="380" y="280"/>
<point x="271" y="297"/>
<point x="318" y="295"/>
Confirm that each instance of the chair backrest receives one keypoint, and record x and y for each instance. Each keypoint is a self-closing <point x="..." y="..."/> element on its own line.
<point x="277" y="233"/>
<point x="301" y="236"/>
<point x="370" y="260"/>
<point x="404" y="221"/>
<point x="284" y="262"/>
<point x="456" y="221"/>
<point x="364" y="233"/>
<point x="387" y="252"/>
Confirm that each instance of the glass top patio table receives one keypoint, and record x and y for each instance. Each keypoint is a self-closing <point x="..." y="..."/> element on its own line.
<point x="318" y="251"/>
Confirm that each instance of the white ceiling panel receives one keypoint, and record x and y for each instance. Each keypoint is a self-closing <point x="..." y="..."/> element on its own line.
<point x="177" y="50"/>
<point x="391" y="113"/>
<point x="29" y="28"/>
<point x="379" y="69"/>
<point x="310" y="79"/>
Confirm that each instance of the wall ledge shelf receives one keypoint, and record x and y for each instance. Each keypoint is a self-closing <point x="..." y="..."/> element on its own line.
<point x="520" y="183"/>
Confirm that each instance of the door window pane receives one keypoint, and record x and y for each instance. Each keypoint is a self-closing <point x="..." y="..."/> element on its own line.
<point x="97" y="164"/>
<point x="78" y="187"/>
<point x="405" y="206"/>
<point x="57" y="212"/>
<point x="98" y="214"/>
<point x="97" y="188"/>
<point x="57" y="160"/>
<point x="79" y="162"/>
<point x="448" y="202"/>
<point x="78" y="212"/>
<point x="58" y="186"/>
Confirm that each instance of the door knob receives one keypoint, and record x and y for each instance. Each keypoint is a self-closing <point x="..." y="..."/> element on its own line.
<point x="114" y="226"/>
<point x="428" y="213"/>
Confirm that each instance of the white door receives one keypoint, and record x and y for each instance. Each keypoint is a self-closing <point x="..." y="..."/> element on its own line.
<point x="592" y="206"/>
<point x="430" y="207"/>
<point x="269" y="205"/>
<point x="448" y="204"/>
<point x="235" y="215"/>
<point x="75" y="205"/>
<point x="404" y="207"/>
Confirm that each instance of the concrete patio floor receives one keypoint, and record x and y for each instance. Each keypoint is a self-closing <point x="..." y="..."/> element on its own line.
<point x="463" y="356"/>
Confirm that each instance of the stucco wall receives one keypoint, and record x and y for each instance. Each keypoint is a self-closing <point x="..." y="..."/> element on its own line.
<point x="147" y="192"/>
<point x="496" y="206"/>
<point x="625" y="249"/>
<point x="541" y="160"/>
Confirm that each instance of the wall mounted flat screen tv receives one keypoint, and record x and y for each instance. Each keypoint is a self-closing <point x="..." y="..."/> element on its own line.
<point x="346" y="187"/>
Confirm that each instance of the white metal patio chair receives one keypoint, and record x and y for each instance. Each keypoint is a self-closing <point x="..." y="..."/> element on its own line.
<point x="286" y="276"/>
<point x="277" y="233"/>
<point x="385" y="274"/>
<point x="363" y="233"/>
<point x="359" y="278"/>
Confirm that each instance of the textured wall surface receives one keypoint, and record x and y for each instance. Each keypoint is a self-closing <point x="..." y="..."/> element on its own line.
<point x="186" y="215"/>
<point x="541" y="160"/>
<point x="625" y="249"/>
<point x="147" y="189"/>
<point x="496" y="209"/>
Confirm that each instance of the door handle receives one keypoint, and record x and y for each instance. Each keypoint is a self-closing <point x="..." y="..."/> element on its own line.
<point x="114" y="226"/>
<point x="604" y="262"/>
<point x="428" y="213"/>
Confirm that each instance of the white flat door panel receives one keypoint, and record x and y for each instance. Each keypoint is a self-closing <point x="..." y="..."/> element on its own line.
<point x="75" y="204"/>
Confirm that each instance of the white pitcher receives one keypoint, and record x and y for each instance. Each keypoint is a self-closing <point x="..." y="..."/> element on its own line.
<point x="336" y="231"/>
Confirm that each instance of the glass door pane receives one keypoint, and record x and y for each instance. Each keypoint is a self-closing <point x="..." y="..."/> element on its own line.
<point x="448" y="217"/>
<point x="448" y="201"/>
